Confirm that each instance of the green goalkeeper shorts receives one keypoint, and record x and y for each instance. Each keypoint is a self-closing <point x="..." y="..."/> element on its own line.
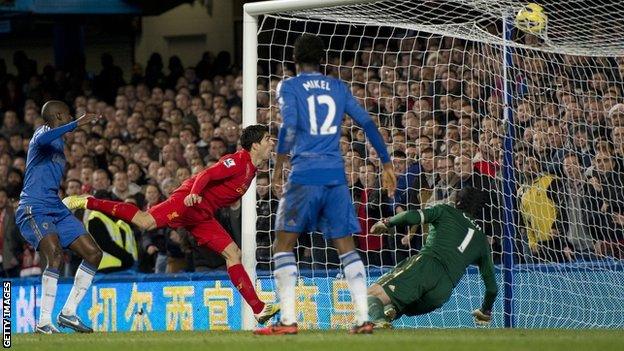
<point x="417" y="285"/>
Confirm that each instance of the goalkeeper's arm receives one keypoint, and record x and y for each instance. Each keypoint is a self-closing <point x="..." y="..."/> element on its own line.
<point x="483" y="315"/>
<point x="429" y="215"/>
<point x="403" y="218"/>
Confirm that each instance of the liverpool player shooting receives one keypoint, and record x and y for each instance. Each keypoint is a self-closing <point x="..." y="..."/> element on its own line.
<point x="194" y="204"/>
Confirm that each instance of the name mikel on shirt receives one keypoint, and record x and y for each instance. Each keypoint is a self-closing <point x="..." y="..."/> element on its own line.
<point x="316" y="84"/>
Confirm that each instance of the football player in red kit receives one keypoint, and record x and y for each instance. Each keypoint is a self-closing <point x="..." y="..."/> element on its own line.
<point x="193" y="206"/>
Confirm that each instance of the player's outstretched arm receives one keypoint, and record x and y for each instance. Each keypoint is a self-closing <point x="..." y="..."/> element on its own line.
<point x="403" y="218"/>
<point x="362" y="119"/>
<point x="48" y="136"/>
<point x="87" y="118"/>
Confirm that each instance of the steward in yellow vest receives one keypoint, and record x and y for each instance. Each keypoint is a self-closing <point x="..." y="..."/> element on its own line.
<point x="115" y="238"/>
<point x="540" y="199"/>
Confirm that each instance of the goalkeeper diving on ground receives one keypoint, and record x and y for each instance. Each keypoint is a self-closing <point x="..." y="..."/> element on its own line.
<point x="421" y="284"/>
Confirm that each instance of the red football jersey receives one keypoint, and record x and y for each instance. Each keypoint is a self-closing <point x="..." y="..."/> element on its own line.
<point x="223" y="183"/>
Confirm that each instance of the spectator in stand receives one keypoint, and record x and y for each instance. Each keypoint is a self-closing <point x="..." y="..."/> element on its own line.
<point x="122" y="188"/>
<point x="10" y="124"/>
<point x="487" y="161"/>
<point x="216" y="149"/>
<point x="617" y="139"/>
<point x="153" y="253"/>
<point x="448" y="181"/>
<point x="607" y="200"/>
<point x="101" y="182"/>
<point x="206" y="130"/>
<point x="421" y="189"/>
<point x="266" y="207"/>
<point x="371" y="204"/>
<point x="581" y="145"/>
<point x="399" y="162"/>
<point x="541" y="214"/>
<point x="12" y="244"/>
<point x="576" y="192"/>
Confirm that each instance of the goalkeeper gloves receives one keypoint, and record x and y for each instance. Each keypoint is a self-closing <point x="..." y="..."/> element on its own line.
<point x="481" y="317"/>
<point x="379" y="227"/>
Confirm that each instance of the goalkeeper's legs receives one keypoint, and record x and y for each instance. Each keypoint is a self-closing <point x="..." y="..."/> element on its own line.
<point x="355" y="275"/>
<point x="378" y="303"/>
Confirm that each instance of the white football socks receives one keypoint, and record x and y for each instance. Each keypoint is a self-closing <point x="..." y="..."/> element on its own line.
<point x="49" y="284"/>
<point x="285" y="274"/>
<point x="82" y="282"/>
<point x="356" y="280"/>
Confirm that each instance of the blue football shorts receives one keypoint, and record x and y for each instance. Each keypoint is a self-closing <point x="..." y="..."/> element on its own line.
<point x="324" y="208"/>
<point x="36" y="222"/>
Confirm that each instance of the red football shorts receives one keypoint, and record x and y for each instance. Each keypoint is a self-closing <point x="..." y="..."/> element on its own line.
<point x="202" y="224"/>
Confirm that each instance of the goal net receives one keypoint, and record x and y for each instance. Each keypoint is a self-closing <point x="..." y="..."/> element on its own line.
<point x="535" y="120"/>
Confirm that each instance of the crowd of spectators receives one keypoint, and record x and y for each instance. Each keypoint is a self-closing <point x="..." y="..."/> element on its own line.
<point x="439" y="105"/>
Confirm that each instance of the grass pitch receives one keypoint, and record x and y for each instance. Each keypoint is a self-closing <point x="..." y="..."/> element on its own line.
<point x="384" y="340"/>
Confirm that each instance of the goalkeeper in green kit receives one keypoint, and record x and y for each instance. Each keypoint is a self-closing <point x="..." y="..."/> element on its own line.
<point x="420" y="284"/>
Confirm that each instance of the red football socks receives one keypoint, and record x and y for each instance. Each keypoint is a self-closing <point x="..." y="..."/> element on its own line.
<point x="241" y="281"/>
<point x="122" y="210"/>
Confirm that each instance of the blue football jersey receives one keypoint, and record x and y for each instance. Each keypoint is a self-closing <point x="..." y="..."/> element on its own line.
<point x="45" y="166"/>
<point x="313" y="106"/>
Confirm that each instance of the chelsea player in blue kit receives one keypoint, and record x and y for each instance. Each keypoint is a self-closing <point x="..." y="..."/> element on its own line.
<point x="316" y="196"/>
<point x="48" y="225"/>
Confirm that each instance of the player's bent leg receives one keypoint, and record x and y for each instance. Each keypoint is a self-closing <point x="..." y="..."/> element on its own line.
<point x="240" y="279"/>
<point x="50" y="248"/>
<point x="86" y="247"/>
<point x="232" y="255"/>
<point x="91" y="254"/>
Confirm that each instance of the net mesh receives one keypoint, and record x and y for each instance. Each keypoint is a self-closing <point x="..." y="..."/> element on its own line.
<point x="431" y="76"/>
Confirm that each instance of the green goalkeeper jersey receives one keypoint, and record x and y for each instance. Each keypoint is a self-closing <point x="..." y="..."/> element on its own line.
<point x="456" y="242"/>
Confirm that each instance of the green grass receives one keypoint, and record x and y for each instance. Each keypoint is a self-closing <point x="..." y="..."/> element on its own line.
<point x="384" y="340"/>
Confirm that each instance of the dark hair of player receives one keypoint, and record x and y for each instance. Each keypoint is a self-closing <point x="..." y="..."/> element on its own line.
<point x="51" y="108"/>
<point x="470" y="200"/>
<point x="309" y="49"/>
<point x="253" y="134"/>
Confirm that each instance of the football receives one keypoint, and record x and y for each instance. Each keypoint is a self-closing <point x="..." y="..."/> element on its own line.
<point x="532" y="19"/>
